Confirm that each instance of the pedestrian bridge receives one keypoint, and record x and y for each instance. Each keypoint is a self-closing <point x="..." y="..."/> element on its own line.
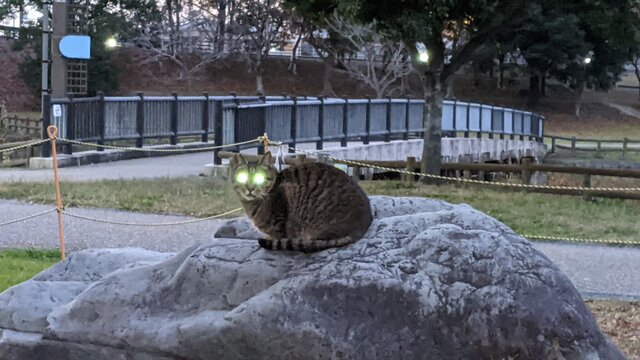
<point x="372" y="129"/>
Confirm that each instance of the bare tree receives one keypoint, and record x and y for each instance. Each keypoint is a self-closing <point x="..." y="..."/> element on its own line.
<point x="186" y="39"/>
<point x="635" y="61"/>
<point x="262" y="25"/>
<point x="377" y="62"/>
<point x="297" y="28"/>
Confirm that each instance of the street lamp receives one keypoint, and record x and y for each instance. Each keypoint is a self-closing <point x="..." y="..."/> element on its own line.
<point x="587" y="60"/>
<point x="423" y="55"/>
<point x="111" y="42"/>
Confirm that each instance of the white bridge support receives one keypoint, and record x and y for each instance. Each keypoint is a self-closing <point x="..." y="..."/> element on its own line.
<point x="453" y="150"/>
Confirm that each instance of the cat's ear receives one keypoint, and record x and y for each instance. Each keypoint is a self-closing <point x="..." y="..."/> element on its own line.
<point x="266" y="159"/>
<point x="239" y="160"/>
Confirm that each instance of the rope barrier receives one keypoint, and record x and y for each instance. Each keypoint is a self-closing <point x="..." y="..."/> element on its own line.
<point x="27" y="217"/>
<point x="128" y="148"/>
<point x="266" y="141"/>
<point x="572" y="239"/>
<point x="23" y="146"/>
<point x="111" y="222"/>
<point x="463" y="180"/>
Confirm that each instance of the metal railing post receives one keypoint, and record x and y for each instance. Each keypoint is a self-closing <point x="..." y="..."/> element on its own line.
<point x="46" y="121"/>
<point x="205" y="118"/>
<point x="367" y="122"/>
<point x="174" y="120"/>
<point x="345" y="124"/>
<point x="101" y="120"/>
<point x="479" y="133"/>
<point x="293" y="132"/>
<point x="217" y="131"/>
<point x="71" y="124"/>
<point x="140" y="120"/>
<point x="405" y="135"/>
<point x="455" y="116"/>
<point x="319" y="143"/>
<point x="387" y="135"/>
<point x="491" y="129"/>
<point x="466" y="131"/>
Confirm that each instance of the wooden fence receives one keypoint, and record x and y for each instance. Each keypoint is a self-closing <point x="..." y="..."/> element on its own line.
<point x="596" y="147"/>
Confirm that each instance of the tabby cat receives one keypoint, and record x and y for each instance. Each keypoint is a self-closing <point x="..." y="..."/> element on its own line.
<point x="307" y="207"/>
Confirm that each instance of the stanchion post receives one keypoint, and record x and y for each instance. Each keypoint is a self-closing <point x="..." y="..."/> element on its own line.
<point x="265" y="142"/>
<point x="52" y="132"/>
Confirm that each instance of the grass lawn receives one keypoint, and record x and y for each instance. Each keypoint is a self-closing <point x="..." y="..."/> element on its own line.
<point x="17" y="266"/>
<point x="526" y="213"/>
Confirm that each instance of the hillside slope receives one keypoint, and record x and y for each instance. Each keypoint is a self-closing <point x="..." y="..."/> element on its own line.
<point x="13" y="90"/>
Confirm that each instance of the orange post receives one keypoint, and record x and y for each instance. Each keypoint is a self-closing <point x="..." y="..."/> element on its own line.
<point x="52" y="131"/>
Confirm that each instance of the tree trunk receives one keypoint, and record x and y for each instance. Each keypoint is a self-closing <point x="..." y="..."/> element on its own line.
<point x="534" y="83"/>
<point x="404" y="85"/>
<point x="189" y="83"/>
<point x="259" y="69"/>
<point x="293" y="62"/>
<point x="500" y="71"/>
<point x="579" y="92"/>
<point x="534" y="89"/>
<point x="431" y="152"/>
<point x="476" y="80"/>
<point x="171" y="24"/>
<point x="222" y="22"/>
<point x="327" y="88"/>
<point x="543" y="85"/>
<point x="259" y="77"/>
<point x="636" y="66"/>
<point x="450" y="89"/>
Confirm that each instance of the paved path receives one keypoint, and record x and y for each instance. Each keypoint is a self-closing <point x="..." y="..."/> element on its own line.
<point x="144" y="168"/>
<point x="597" y="271"/>
<point x="627" y="110"/>
<point x="80" y="234"/>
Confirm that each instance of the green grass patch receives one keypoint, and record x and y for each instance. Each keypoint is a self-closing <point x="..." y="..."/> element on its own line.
<point x="526" y="213"/>
<point x="17" y="266"/>
<point x="193" y="196"/>
<point x="534" y="214"/>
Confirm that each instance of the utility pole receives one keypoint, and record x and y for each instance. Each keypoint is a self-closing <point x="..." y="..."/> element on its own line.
<point x="46" y="33"/>
<point x="58" y="63"/>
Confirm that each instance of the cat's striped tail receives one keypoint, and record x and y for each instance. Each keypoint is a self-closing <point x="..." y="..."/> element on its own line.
<point x="306" y="246"/>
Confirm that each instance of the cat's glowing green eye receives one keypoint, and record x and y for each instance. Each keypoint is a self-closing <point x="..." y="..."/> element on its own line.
<point x="242" y="177"/>
<point x="259" y="178"/>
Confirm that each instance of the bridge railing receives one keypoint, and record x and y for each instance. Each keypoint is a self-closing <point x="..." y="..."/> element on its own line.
<point x="474" y="118"/>
<point x="292" y="120"/>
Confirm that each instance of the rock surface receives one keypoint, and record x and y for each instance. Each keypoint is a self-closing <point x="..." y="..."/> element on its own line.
<point x="429" y="280"/>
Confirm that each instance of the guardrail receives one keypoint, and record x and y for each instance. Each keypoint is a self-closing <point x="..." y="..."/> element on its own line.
<point x="291" y="120"/>
<point x="466" y="117"/>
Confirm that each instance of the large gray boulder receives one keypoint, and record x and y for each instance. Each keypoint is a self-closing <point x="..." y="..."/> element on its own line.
<point x="430" y="280"/>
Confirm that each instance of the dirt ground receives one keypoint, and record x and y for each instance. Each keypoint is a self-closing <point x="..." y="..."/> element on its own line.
<point x="621" y="322"/>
